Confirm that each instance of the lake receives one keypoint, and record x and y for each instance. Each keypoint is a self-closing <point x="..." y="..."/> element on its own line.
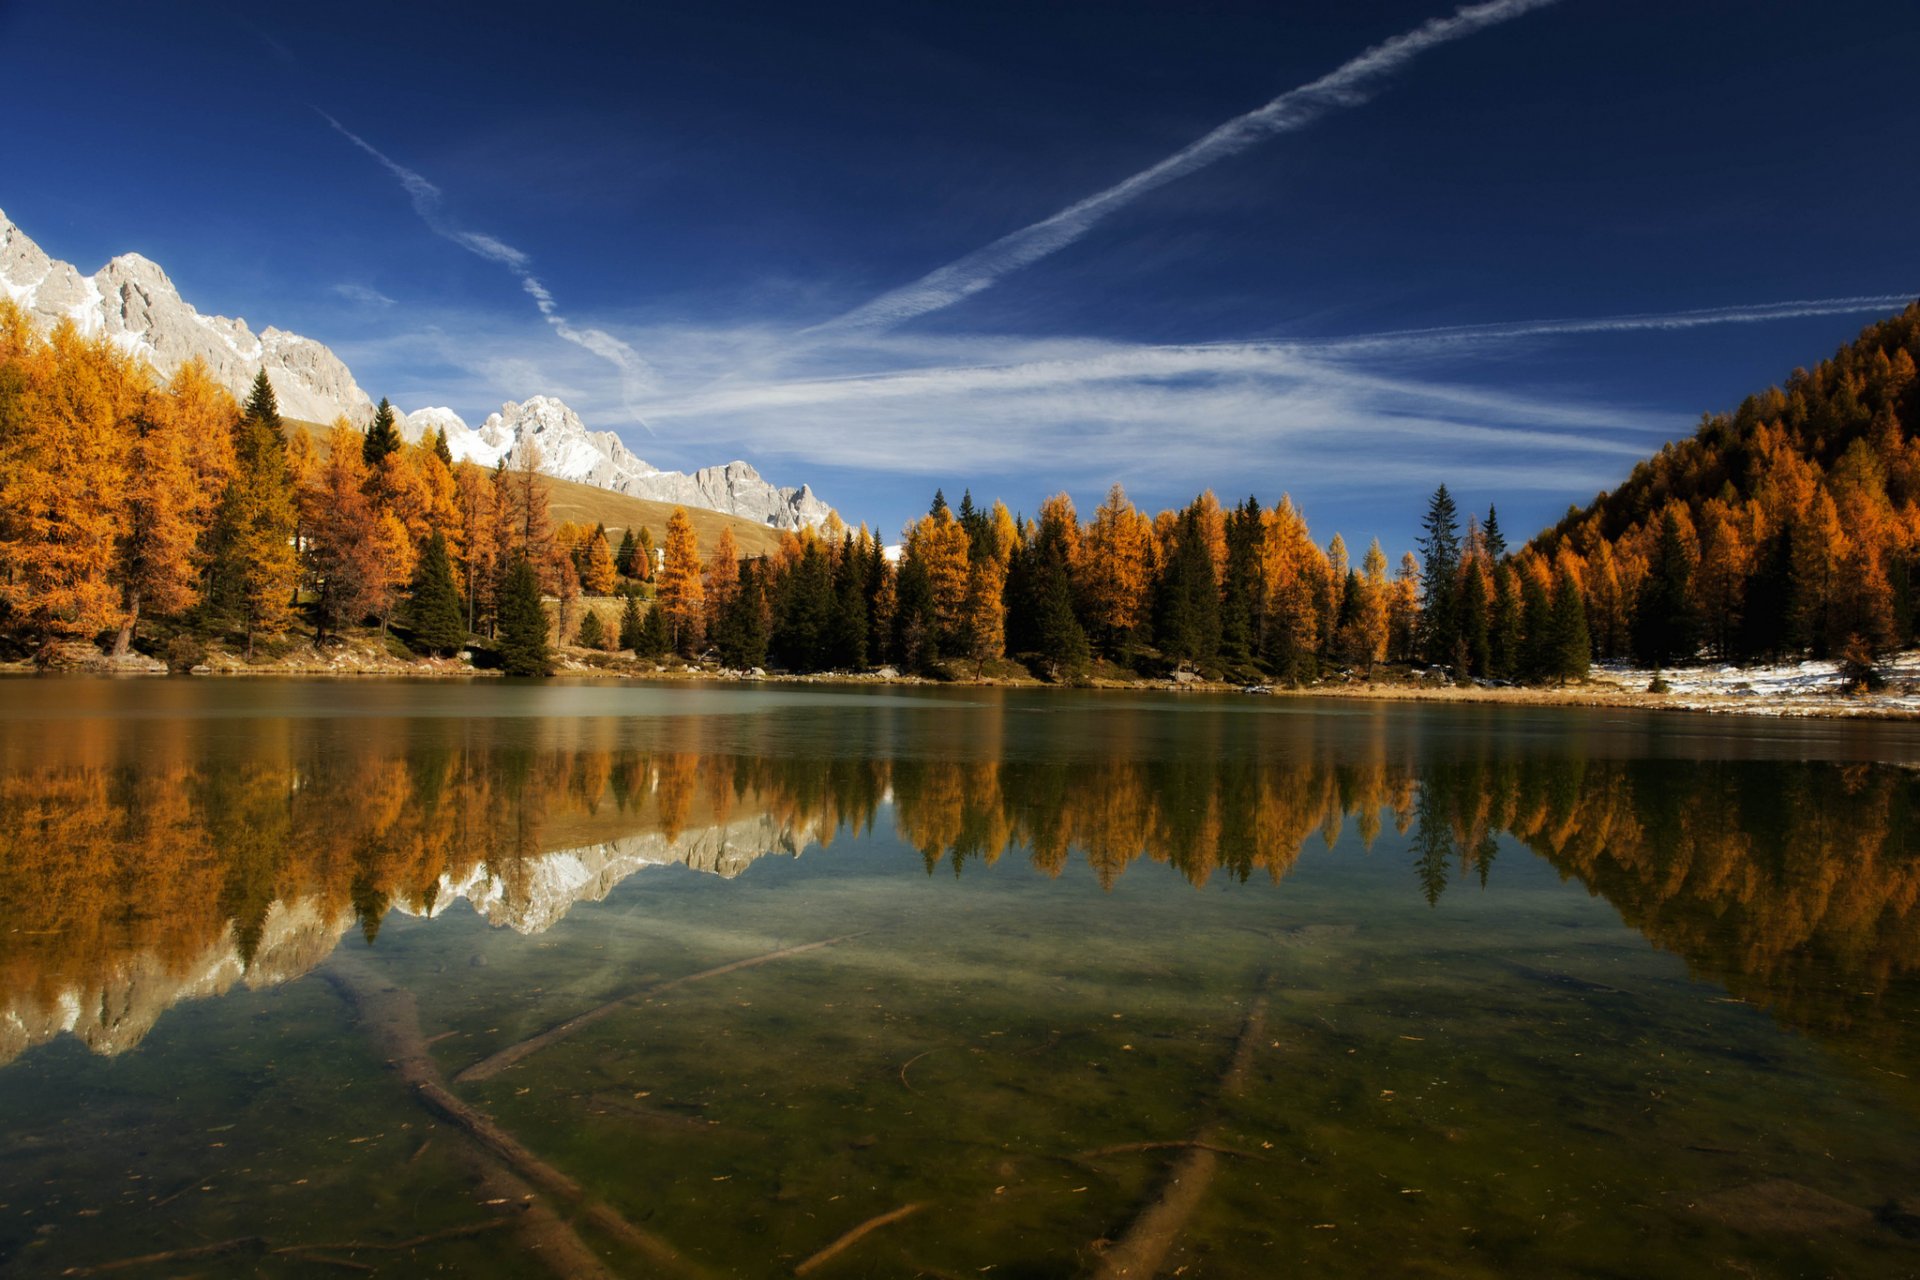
<point x="316" y="978"/>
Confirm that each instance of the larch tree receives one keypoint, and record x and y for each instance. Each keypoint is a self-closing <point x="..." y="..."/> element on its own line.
<point x="722" y="576"/>
<point x="597" y="571"/>
<point x="1116" y="574"/>
<point x="159" y="532"/>
<point x="61" y="484"/>
<point x="680" y="592"/>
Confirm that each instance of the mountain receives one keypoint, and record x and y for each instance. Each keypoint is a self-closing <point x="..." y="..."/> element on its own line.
<point x="569" y="451"/>
<point x="131" y="302"/>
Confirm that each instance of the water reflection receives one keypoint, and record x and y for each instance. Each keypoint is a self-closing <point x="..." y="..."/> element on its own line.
<point x="142" y="868"/>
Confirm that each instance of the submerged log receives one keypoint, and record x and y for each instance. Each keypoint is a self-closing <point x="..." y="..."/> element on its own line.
<point x="506" y="1169"/>
<point x="1151" y="1235"/>
<point x="487" y="1068"/>
<point x="249" y="1244"/>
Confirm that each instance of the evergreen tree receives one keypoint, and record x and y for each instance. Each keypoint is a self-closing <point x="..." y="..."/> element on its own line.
<point x="655" y="640"/>
<point x="1536" y="627"/>
<point x="739" y="633"/>
<point x="441" y="449"/>
<point x="433" y="606"/>
<point x="623" y="560"/>
<point x="1571" y="648"/>
<point x="1241" y="603"/>
<point x="255" y="563"/>
<point x="1491" y="537"/>
<point x="1503" y="637"/>
<point x="631" y="624"/>
<point x="916" y="628"/>
<point x="803" y="608"/>
<point x="1440" y="556"/>
<point x="1059" y="641"/>
<point x="1187" y="625"/>
<point x="382" y="437"/>
<point x="1475" y="635"/>
<point x="847" y="626"/>
<point x="592" y="633"/>
<point x="1663" y="624"/>
<point x="523" y="624"/>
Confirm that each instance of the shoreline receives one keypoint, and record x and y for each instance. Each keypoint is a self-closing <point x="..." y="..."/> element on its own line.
<point x="1805" y="690"/>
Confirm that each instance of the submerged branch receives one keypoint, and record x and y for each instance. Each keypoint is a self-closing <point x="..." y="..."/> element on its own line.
<point x="854" y="1236"/>
<point x="507" y="1170"/>
<point x="492" y="1066"/>
<point x="1151" y="1236"/>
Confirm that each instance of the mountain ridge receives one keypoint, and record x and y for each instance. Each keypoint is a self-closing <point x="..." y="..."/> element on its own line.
<point x="133" y="304"/>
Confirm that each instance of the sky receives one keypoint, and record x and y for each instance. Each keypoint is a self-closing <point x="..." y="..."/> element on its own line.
<point x="1344" y="250"/>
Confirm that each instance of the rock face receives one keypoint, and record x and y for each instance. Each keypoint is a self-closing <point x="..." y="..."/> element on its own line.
<point x="131" y="302"/>
<point x="570" y="451"/>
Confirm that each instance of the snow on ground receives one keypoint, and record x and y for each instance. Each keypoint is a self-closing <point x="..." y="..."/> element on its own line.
<point x="1798" y="688"/>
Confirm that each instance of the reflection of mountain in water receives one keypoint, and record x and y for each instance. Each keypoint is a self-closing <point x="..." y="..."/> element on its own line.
<point x="128" y="888"/>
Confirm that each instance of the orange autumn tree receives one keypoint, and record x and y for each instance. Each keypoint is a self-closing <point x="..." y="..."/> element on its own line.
<point x="722" y="580"/>
<point x="358" y="554"/>
<point x="679" y="592"/>
<point x="1116" y="571"/>
<point x="66" y="403"/>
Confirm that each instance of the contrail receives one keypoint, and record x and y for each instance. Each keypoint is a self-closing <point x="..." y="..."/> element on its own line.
<point x="1349" y="85"/>
<point x="636" y="376"/>
<point x="1753" y="313"/>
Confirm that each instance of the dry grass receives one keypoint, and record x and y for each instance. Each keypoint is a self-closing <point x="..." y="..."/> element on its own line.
<point x="585" y="504"/>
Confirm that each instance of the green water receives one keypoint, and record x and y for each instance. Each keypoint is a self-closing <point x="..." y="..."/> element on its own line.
<point x="1544" y="992"/>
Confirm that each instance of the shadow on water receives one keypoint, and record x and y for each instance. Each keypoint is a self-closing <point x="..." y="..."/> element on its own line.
<point x="1050" y="984"/>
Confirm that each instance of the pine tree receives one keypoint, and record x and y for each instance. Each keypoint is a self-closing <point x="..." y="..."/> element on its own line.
<point x="655" y="640"/>
<point x="256" y="565"/>
<point x="1571" y="647"/>
<point x="523" y="624"/>
<point x="1061" y="643"/>
<point x="623" y="560"/>
<point x="1472" y="619"/>
<point x="441" y="449"/>
<point x="1663" y="622"/>
<point x="382" y="438"/>
<point x="592" y="633"/>
<point x="1440" y="553"/>
<point x="433" y="605"/>
<point x="1491" y="537"/>
<point x="631" y="624"/>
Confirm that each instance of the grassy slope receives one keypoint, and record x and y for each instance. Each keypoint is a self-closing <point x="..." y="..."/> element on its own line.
<point x="585" y="504"/>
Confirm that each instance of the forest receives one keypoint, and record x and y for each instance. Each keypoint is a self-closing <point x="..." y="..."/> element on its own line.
<point x="165" y="517"/>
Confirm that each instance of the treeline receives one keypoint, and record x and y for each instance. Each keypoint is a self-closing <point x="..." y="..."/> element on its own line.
<point x="1788" y="527"/>
<point x="124" y="499"/>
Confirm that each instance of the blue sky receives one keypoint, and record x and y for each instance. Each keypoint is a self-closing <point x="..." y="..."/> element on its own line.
<point x="734" y="210"/>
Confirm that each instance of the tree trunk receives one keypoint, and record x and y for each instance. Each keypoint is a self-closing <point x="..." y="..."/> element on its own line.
<point x="123" y="643"/>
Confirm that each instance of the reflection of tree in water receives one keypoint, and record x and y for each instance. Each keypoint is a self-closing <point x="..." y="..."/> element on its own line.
<point x="1793" y="883"/>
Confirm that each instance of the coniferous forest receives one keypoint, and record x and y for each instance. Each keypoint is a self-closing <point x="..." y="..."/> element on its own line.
<point x="1788" y="527"/>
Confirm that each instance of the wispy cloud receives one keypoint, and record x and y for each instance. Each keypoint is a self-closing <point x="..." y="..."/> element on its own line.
<point x="1348" y="85"/>
<point x="636" y="375"/>
<point x="364" y="294"/>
